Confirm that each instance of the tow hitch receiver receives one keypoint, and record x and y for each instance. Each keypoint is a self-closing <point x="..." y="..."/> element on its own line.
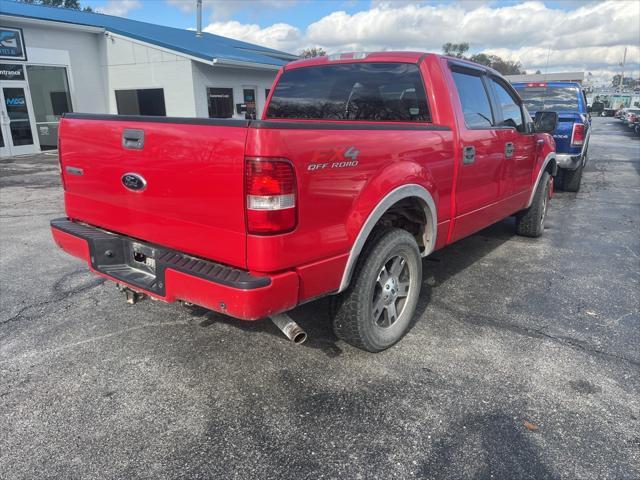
<point x="131" y="296"/>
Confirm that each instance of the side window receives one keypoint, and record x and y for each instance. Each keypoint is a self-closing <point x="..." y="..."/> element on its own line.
<point x="474" y="100"/>
<point x="511" y="111"/>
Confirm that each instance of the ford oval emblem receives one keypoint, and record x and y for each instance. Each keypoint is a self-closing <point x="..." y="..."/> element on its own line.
<point x="134" y="182"/>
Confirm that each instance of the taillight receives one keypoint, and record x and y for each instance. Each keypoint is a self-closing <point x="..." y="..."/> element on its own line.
<point x="577" y="137"/>
<point x="271" y="195"/>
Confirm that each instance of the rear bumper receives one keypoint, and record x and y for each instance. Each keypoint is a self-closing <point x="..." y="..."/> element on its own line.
<point x="177" y="276"/>
<point x="572" y="161"/>
<point x="568" y="161"/>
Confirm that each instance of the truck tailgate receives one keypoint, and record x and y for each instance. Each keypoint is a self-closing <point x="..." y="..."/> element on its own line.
<point x="187" y="187"/>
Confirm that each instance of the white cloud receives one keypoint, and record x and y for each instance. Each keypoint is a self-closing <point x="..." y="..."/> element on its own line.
<point x="590" y="36"/>
<point x="280" y="36"/>
<point x="119" y="8"/>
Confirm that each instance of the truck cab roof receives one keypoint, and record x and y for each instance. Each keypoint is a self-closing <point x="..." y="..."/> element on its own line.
<point x="389" y="56"/>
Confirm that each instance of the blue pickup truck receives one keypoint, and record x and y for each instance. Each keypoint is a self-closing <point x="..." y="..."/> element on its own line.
<point x="572" y="132"/>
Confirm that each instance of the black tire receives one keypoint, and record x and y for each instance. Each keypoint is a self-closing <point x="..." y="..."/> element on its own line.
<point x="557" y="180"/>
<point x="362" y="312"/>
<point x="530" y="222"/>
<point x="571" y="179"/>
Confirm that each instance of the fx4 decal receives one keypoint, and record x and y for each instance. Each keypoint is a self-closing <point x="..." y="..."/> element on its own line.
<point x="334" y="158"/>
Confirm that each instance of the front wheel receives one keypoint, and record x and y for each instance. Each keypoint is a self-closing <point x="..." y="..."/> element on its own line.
<point x="377" y="309"/>
<point x="530" y="222"/>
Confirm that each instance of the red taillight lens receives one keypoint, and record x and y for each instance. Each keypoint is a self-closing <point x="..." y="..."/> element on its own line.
<point x="271" y="195"/>
<point x="577" y="138"/>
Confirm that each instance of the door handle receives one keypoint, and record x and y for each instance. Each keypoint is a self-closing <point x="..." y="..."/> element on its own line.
<point x="509" y="149"/>
<point x="133" y="139"/>
<point x="468" y="155"/>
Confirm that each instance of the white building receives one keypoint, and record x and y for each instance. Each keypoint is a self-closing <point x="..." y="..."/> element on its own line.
<point x="55" y="60"/>
<point x="577" y="77"/>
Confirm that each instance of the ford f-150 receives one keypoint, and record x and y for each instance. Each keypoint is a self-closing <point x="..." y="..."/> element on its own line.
<point x="361" y="165"/>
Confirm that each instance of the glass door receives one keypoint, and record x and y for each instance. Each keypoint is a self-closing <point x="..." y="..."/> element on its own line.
<point x="16" y="118"/>
<point x="249" y="97"/>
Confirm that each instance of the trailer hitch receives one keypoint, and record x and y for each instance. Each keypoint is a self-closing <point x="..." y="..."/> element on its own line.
<point x="131" y="296"/>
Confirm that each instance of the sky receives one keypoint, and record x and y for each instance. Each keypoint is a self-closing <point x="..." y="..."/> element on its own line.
<point x="560" y="35"/>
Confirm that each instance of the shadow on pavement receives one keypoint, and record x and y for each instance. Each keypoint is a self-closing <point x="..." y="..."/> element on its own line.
<point x="315" y="317"/>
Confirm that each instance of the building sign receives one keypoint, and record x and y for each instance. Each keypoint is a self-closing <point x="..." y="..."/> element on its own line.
<point x="12" y="44"/>
<point x="11" y="71"/>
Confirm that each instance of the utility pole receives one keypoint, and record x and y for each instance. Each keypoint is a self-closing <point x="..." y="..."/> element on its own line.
<point x="624" y="59"/>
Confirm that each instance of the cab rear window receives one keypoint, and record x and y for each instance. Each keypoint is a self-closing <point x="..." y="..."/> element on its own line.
<point x="384" y="92"/>
<point x="539" y="99"/>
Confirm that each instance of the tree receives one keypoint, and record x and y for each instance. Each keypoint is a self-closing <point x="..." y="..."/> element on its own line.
<point x="505" y="67"/>
<point x="313" y="52"/>
<point x="455" y="49"/>
<point x="73" y="4"/>
<point x="628" y="81"/>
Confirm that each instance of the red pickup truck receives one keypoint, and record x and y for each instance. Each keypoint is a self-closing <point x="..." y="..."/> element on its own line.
<point x="361" y="165"/>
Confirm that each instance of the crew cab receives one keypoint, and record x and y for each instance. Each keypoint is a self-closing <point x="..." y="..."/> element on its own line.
<point x="569" y="102"/>
<point x="361" y="165"/>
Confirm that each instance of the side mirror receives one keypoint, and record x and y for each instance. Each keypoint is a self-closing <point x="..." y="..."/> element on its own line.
<point x="545" y="122"/>
<point x="589" y="109"/>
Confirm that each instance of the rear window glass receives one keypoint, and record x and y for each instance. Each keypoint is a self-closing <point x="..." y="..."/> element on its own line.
<point x="385" y="92"/>
<point x="539" y="99"/>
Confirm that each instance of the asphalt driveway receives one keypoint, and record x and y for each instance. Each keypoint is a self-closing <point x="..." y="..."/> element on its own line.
<point x="524" y="363"/>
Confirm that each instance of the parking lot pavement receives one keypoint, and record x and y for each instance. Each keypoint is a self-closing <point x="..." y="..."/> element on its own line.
<point x="511" y="330"/>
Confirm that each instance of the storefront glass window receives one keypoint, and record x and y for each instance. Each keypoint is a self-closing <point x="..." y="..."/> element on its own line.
<point x="51" y="98"/>
<point x="145" y="101"/>
<point x="220" y="102"/>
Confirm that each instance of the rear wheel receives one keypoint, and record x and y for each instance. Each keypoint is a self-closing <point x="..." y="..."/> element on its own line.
<point x="571" y="179"/>
<point x="558" y="179"/>
<point x="530" y="222"/>
<point x="377" y="309"/>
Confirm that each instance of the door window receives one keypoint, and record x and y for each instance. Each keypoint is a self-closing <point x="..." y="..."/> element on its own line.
<point x="220" y="102"/>
<point x="147" y="101"/>
<point x="511" y="111"/>
<point x="51" y="99"/>
<point x="474" y="100"/>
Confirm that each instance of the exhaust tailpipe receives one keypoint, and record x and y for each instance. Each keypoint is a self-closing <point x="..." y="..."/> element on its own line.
<point x="290" y="328"/>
